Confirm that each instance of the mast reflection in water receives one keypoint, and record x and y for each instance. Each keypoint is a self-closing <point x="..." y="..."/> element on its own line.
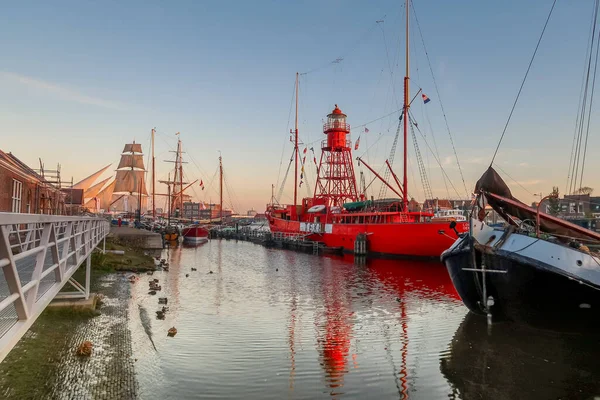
<point x="272" y="324"/>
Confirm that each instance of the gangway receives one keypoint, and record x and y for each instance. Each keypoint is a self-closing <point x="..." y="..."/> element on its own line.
<point x="38" y="256"/>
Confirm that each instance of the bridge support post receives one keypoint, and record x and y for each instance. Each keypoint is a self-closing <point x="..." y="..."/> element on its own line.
<point x="88" y="270"/>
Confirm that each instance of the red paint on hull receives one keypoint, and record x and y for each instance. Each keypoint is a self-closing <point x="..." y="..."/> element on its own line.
<point x="195" y="234"/>
<point x="418" y="239"/>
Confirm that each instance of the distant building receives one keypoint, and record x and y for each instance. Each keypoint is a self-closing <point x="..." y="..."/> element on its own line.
<point x="211" y="211"/>
<point x="446" y="204"/>
<point x="22" y="190"/>
<point x="251" y="213"/>
<point x="574" y="206"/>
<point x="191" y="210"/>
<point x="260" y="217"/>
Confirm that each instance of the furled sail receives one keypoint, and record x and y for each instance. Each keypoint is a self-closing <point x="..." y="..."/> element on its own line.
<point x="87" y="182"/>
<point x="133" y="148"/>
<point x="500" y="198"/>
<point x="130" y="181"/>
<point x="132" y="161"/>
<point x="94" y="190"/>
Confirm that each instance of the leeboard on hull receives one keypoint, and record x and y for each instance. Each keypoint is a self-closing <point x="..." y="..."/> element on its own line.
<point x="425" y="240"/>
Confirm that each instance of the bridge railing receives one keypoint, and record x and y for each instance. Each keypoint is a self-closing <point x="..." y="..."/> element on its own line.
<point x="38" y="255"/>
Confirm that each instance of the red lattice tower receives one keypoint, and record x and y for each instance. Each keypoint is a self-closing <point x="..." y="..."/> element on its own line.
<point x="336" y="183"/>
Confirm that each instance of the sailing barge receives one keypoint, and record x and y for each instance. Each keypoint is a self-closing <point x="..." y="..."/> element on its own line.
<point x="539" y="270"/>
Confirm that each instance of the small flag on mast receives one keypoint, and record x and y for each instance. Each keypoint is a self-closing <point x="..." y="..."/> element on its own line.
<point x="366" y="130"/>
<point x="201" y="184"/>
<point x="425" y="98"/>
<point x="357" y="143"/>
<point x="305" y="149"/>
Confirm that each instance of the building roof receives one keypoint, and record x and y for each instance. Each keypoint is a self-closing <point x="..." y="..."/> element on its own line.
<point x="9" y="161"/>
<point x="441" y="203"/>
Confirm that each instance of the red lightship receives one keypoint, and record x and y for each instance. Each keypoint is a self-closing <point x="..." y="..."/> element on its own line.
<point x="338" y="214"/>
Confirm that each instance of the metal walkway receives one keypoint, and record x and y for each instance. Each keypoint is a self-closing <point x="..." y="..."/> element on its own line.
<point x="38" y="256"/>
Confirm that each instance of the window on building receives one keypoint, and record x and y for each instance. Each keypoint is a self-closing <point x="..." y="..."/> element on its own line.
<point x="17" y="193"/>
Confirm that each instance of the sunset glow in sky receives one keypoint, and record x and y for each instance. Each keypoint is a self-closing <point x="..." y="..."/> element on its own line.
<point x="81" y="79"/>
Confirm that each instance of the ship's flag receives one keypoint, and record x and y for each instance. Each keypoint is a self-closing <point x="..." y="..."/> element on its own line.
<point x="305" y="149"/>
<point x="201" y="184"/>
<point x="425" y="98"/>
<point x="357" y="143"/>
<point x="366" y="130"/>
<point x="300" y="183"/>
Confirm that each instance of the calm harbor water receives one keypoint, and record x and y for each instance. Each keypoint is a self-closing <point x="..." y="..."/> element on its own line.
<point x="272" y="324"/>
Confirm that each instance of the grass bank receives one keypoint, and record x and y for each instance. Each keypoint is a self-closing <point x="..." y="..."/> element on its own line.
<point x="134" y="259"/>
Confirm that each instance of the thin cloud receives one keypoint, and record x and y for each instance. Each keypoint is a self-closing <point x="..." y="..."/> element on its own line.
<point x="59" y="91"/>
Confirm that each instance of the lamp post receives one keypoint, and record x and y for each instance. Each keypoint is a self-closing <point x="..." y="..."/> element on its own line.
<point x="537" y="217"/>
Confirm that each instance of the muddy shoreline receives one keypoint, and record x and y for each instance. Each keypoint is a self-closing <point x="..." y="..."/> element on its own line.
<point x="43" y="365"/>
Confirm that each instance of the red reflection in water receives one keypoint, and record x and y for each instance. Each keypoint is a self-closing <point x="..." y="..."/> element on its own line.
<point x="425" y="279"/>
<point x="336" y="332"/>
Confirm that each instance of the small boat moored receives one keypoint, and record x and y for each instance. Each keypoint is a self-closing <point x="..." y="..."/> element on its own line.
<point x="195" y="234"/>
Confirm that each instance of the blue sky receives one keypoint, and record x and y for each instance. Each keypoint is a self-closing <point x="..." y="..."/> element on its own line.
<point x="79" y="79"/>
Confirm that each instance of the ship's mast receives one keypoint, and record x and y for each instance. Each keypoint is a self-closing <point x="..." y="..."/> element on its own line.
<point x="220" y="189"/>
<point x="180" y="179"/>
<point x="296" y="153"/>
<point x="169" y="199"/>
<point x="153" y="179"/>
<point x="405" y="111"/>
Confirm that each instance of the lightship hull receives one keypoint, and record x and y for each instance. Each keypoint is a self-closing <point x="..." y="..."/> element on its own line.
<point x="419" y="239"/>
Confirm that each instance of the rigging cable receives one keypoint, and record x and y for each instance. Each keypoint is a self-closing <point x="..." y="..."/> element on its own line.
<point x="587" y="133"/>
<point x="584" y="82"/>
<point x="514" y="180"/>
<point x="434" y="156"/>
<point x="440" y="99"/>
<point x="583" y="106"/>
<point x="284" y="143"/>
<point x="522" y="83"/>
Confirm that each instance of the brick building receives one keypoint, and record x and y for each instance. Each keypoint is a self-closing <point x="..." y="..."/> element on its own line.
<point x="23" y="190"/>
<point x="191" y="210"/>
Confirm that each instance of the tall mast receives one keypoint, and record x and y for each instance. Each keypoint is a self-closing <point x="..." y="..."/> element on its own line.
<point x="180" y="180"/>
<point x="221" y="189"/>
<point x="405" y="111"/>
<point x="169" y="199"/>
<point x="296" y="153"/>
<point x="153" y="179"/>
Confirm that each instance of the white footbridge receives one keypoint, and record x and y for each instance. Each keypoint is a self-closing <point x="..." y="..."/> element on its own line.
<point x="38" y="256"/>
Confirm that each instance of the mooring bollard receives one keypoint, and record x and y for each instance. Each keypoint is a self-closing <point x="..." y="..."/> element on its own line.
<point x="360" y="245"/>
